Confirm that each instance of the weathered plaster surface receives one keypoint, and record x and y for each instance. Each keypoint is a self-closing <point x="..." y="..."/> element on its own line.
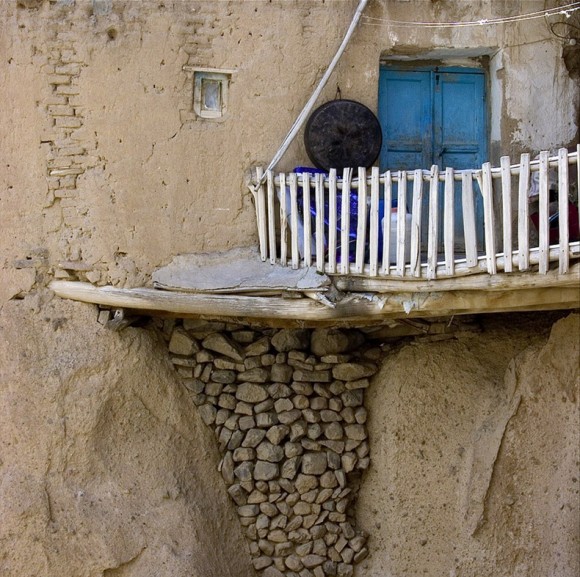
<point x="106" y="167"/>
<point x="105" y="467"/>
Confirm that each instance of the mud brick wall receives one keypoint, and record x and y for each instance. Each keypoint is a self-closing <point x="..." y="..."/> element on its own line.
<point x="287" y="409"/>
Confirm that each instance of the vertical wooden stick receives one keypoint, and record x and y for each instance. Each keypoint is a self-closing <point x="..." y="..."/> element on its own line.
<point x="489" y="219"/>
<point x="294" y="218"/>
<point x="374" y="222"/>
<point x="307" y="223"/>
<point x="401" y="221"/>
<point x="361" y="226"/>
<point x="449" y="221"/>
<point x="388" y="200"/>
<point x="283" y="221"/>
<point x="469" y="218"/>
<point x="319" y="200"/>
<point x="345" y="221"/>
<point x="332" y="221"/>
<point x="544" y="225"/>
<point x="433" y="238"/>
<point x="416" y="223"/>
<point x="261" y="216"/>
<point x="506" y="192"/>
<point x="524" y="214"/>
<point x="271" y="218"/>
<point x="563" y="191"/>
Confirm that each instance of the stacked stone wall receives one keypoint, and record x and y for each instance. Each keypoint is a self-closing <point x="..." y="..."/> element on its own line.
<point x="287" y="410"/>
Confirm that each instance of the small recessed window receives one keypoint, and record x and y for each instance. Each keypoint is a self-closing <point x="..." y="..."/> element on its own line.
<point x="210" y="93"/>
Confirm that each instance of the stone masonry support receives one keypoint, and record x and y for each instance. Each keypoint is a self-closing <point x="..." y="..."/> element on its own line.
<point x="287" y="410"/>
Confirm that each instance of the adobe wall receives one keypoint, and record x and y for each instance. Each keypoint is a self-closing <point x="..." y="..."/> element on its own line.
<point x="106" y="466"/>
<point x="108" y="173"/>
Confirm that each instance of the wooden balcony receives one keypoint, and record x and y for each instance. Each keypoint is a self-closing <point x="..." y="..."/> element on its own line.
<point x="352" y="229"/>
<point x="374" y="247"/>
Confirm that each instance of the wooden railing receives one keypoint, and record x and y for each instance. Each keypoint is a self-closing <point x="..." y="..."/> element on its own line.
<point x="352" y="228"/>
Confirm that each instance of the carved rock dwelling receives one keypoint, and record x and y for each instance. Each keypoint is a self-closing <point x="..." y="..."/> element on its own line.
<point x="289" y="288"/>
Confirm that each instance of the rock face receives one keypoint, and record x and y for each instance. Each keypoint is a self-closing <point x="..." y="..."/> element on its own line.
<point x="474" y="445"/>
<point x="105" y="465"/>
<point x="293" y="451"/>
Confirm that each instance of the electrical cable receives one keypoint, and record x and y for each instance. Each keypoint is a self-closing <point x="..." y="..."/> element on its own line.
<point x="561" y="10"/>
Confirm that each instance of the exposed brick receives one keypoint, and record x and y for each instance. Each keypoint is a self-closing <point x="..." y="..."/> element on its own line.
<point x="66" y="171"/>
<point x="72" y="69"/>
<point x="68" y="122"/>
<point x="58" y="162"/>
<point x="58" y="79"/>
<point x="60" y="110"/>
<point x="65" y="193"/>
<point x="69" y="89"/>
<point x="70" y="151"/>
<point x="55" y="99"/>
<point x="68" y="181"/>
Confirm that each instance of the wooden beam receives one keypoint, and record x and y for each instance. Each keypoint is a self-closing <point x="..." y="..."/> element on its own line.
<point x="354" y="309"/>
<point x="514" y="281"/>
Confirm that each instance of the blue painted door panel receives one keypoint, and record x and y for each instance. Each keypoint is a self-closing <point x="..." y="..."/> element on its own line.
<point x="434" y="116"/>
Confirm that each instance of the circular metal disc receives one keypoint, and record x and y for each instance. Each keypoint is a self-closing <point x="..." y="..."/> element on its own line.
<point x="342" y="133"/>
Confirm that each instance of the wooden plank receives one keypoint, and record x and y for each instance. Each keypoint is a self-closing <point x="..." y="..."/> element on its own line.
<point x="307" y="311"/>
<point x="345" y="221"/>
<point x="544" y="208"/>
<point x="332" y="185"/>
<point x="524" y="214"/>
<point x="449" y="220"/>
<point x="506" y="195"/>
<point x="388" y="201"/>
<point x="295" y="256"/>
<point x="563" y="191"/>
<point x="416" y="223"/>
<point x="401" y="221"/>
<point x="374" y="223"/>
<point x="489" y="220"/>
<point x="514" y="281"/>
<point x="271" y="217"/>
<point x="283" y="221"/>
<point x="468" y="206"/>
<point x="319" y="203"/>
<point x="261" y="215"/>
<point x="307" y="222"/>
<point x="361" y="227"/>
<point x="462" y="269"/>
<point x="433" y="231"/>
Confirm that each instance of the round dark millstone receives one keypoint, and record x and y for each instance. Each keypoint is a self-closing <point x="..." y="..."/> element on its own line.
<point x="341" y="134"/>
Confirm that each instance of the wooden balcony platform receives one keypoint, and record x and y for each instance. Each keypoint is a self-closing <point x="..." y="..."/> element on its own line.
<point x="309" y="270"/>
<point x="356" y="301"/>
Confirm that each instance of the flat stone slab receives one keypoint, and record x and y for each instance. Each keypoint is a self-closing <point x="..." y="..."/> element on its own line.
<point x="237" y="271"/>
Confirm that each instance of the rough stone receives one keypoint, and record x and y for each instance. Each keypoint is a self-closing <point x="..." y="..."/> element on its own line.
<point x="268" y="452"/>
<point x="265" y="471"/>
<point x="291" y="339"/>
<point x="277" y="433"/>
<point x="281" y="373"/>
<point x="221" y="344"/>
<point x="355" y="432"/>
<point x="267" y="420"/>
<point x="279" y="391"/>
<point x="182" y="344"/>
<point x="305" y="483"/>
<point x="314" y="463"/>
<point x="353" y="371"/>
<point x="255" y="375"/>
<point x="251" y="393"/>
<point x="312" y="376"/>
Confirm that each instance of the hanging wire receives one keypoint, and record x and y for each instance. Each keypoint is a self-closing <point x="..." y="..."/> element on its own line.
<point x="553" y="25"/>
<point x="561" y="10"/>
